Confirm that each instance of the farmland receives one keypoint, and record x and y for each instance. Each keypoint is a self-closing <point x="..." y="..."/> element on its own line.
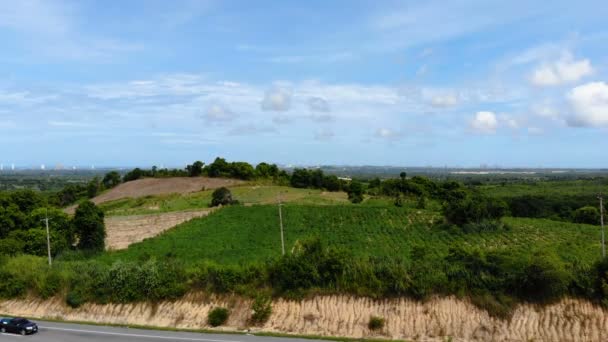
<point x="238" y="235"/>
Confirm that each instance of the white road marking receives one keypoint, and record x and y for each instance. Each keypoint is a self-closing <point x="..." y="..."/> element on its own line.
<point x="174" y="338"/>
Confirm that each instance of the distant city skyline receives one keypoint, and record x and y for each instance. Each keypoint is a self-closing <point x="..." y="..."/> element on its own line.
<point x="141" y="83"/>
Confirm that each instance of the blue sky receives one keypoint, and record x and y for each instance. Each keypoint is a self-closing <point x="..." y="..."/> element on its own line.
<point x="413" y="83"/>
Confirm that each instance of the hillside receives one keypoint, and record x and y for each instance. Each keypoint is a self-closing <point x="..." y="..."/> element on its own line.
<point x="160" y="186"/>
<point x="240" y="234"/>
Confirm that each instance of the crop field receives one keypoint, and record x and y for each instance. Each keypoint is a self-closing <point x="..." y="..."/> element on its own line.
<point x="246" y="234"/>
<point x="548" y="188"/>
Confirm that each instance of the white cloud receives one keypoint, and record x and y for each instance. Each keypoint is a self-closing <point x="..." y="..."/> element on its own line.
<point x="52" y="28"/>
<point x="318" y="104"/>
<point x="277" y="99"/>
<point x="443" y="101"/>
<point x="565" y="70"/>
<point x="545" y="110"/>
<point x="590" y="105"/>
<point x="484" y="122"/>
<point x="388" y="134"/>
<point x="251" y="129"/>
<point x="217" y="112"/>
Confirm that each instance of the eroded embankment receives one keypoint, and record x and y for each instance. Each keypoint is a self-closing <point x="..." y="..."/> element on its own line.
<point x="434" y="320"/>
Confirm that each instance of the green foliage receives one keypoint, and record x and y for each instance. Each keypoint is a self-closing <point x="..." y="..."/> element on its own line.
<point x="196" y="169"/>
<point x="587" y="214"/>
<point x="375" y="322"/>
<point x="355" y="192"/>
<point x="111" y="179"/>
<point x="222" y="196"/>
<point x="11" y="246"/>
<point x="473" y="208"/>
<point x="261" y="309"/>
<point x="89" y="227"/>
<point x="217" y="317"/>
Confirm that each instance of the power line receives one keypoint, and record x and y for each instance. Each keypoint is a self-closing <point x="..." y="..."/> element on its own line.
<point x="48" y="238"/>
<point x="602" y="224"/>
<point x="281" y="224"/>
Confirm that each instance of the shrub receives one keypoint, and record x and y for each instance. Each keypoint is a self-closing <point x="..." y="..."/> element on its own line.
<point x="543" y="279"/>
<point x="588" y="215"/>
<point x="11" y="286"/>
<point x="375" y="323"/>
<point x="222" y="196"/>
<point x="74" y="299"/>
<point x="217" y="317"/>
<point x="261" y="309"/>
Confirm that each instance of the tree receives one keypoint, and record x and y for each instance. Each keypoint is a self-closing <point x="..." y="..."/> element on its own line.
<point x="355" y="192"/>
<point x="219" y="168"/>
<point x="134" y="174"/>
<point x="474" y="208"/>
<point x="300" y="178"/>
<point x="587" y="214"/>
<point x="60" y="226"/>
<point x="93" y="187"/>
<point x="265" y="170"/>
<point x="402" y="175"/>
<point x="196" y="169"/>
<point x="222" y="196"/>
<point x="242" y="170"/>
<point x="332" y="183"/>
<point x="89" y="227"/>
<point x="111" y="179"/>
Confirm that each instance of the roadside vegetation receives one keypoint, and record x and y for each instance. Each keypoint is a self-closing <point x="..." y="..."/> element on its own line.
<point x="404" y="236"/>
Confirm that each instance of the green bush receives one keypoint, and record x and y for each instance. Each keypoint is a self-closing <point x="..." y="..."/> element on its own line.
<point x="74" y="299"/>
<point x="261" y="309"/>
<point x="217" y="317"/>
<point x="375" y="323"/>
<point x="11" y="286"/>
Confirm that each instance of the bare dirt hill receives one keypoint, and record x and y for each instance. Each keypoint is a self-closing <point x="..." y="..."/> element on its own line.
<point x="438" y="319"/>
<point x="125" y="230"/>
<point x="160" y="186"/>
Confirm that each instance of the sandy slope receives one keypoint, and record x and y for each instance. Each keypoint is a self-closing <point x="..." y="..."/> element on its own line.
<point x="569" y="320"/>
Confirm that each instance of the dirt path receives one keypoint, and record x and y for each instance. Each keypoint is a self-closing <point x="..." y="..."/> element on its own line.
<point x="125" y="230"/>
<point x="435" y="320"/>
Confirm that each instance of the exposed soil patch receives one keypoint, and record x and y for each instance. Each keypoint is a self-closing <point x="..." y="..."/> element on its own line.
<point x="125" y="230"/>
<point x="160" y="186"/>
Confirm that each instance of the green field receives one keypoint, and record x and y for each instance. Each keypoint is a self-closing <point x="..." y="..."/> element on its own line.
<point x="548" y="188"/>
<point x="236" y="235"/>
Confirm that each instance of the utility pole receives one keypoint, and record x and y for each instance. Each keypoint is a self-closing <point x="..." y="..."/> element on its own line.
<point x="602" y="224"/>
<point x="281" y="224"/>
<point x="48" y="238"/>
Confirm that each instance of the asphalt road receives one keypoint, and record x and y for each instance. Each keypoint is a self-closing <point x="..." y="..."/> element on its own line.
<point x="67" y="332"/>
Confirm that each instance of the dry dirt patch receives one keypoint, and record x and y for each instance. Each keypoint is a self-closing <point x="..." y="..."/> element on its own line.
<point x="160" y="186"/>
<point x="163" y="186"/>
<point x="123" y="231"/>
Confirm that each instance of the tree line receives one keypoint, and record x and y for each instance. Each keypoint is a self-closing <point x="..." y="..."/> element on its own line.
<point x="23" y="231"/>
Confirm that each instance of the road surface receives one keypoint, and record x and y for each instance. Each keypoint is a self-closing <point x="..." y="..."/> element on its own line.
<point x="67" y="332"/>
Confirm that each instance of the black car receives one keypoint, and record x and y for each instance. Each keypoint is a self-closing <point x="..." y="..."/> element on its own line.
<point x="18" y="325"/>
